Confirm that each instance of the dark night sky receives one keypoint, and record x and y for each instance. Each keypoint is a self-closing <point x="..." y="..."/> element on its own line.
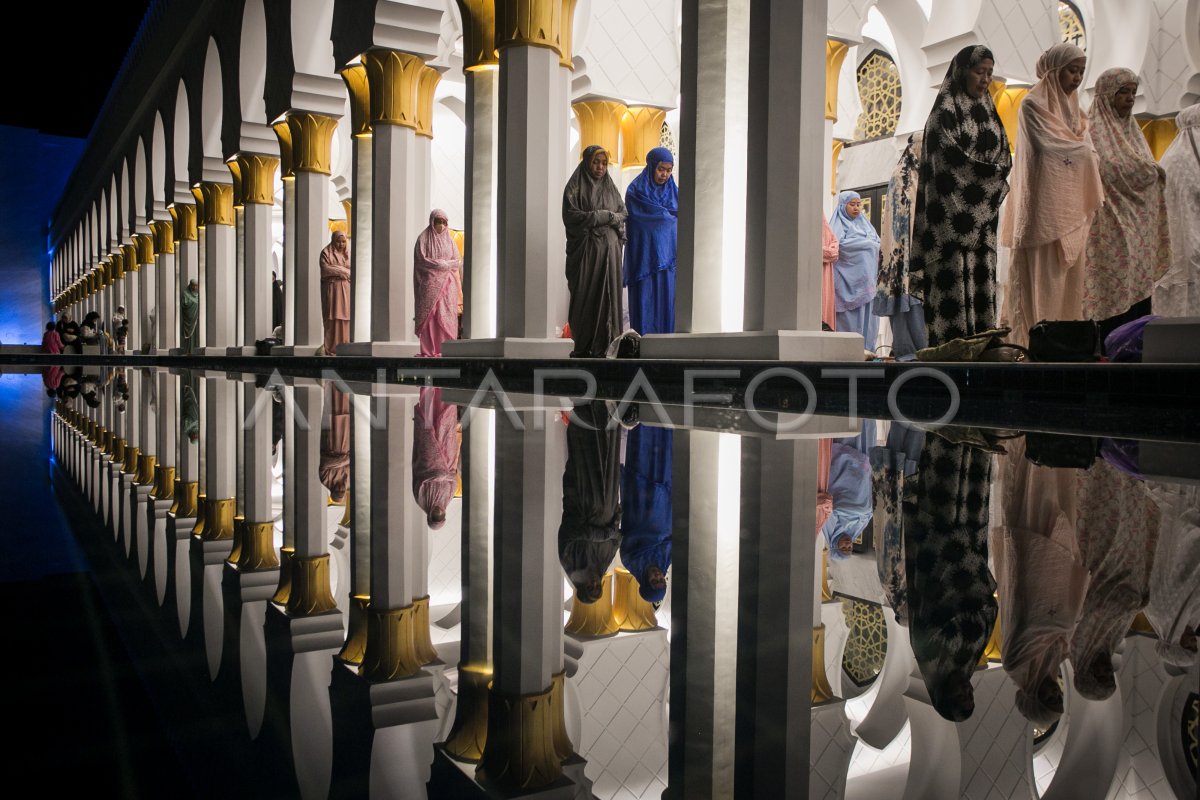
<point x="63" y="62"/>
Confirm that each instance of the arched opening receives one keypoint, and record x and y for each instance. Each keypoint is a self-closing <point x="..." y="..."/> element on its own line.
<point x="879" y="92"/>
<point x="252" y="63"/>
<point x="210" y="103"/>
<point x="181" y="144"/>
<point x="1070" y="25"/>
<point x="158" y="168"/>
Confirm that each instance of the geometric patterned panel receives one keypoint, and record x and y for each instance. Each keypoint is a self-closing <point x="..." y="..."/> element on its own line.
<point x="1167" y="70"/>
<point x="1017" y="32"/>
<point x="994" y="740"/>
<point x="1191" y="712"/>
<point x="631" y="52"/>
<point x="879" y="92"/>
<point x="1071" y="25"/>
<point x="866" y="646"/>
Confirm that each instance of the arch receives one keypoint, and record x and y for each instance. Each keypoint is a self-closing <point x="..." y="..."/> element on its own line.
<point x="879" y="88"/>
<point x="141" y="182"/>
<point x="907" y="23"/>
<point x="312" y="47"/>
<point x="114" y="214"/>
<point x="181" y="146"/>
<point x="252" y="63"/>
<point x="158" y="167"/>
<point x="210" y="103"/>
<point x="129" y="223"/>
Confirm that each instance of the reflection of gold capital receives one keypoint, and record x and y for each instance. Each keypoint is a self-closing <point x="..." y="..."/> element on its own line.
<point x="389" y="653"/>
<point x="520" y="750"/>
<point x="356" y="633"/>
<point x="469" y="733"/>
<point x="218" y="203"/>
<point x="822" y="692"/>
<point x="427" y="82"/>
<point x="479" y="33"/>
<point x="311" y="593"/>
<point x="284" y="590"/>
<point x="164" y="236"/>
<point x="145" y="470"/>
<point x="835" y="54"/>
<point x="312" y="141"/>
<point x="201" y="513"/>
<point x="106" y="441"/>
<point x="164" y="483"/>
<point x="630" y="611"/>
<point x="422" y="644"/>
<point x="257" y="550"/>
<point x="558" y="698"/>
<point x="641" y="131"/>
<point x="1159" y="134"/>
<point x="284" y="134"/>
<point x="118" y="450"/>
<point x="600" y="123"/>
<point x="991" y="652"/>
<point x="826" y="592"/>
<point x="186" y="225"/>
<point x="258" y="178"/>
<point x="218" y="518"/>
<point x="235" y="552"/>
<point x="187" y="499"/>
<point x="393" y="77"/>
<point x="129" y="465"/>
<point x="129" y="257"/>
<point x="593" y="620"/>
<point x="144" y="243"/>
<point x="355" y="78"/>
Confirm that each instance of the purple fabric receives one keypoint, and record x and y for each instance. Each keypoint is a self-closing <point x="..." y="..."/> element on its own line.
<point x="1125" y="342"/>
<point x="1122" y="453"/>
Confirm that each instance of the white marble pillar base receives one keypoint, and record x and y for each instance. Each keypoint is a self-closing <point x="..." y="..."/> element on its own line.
<point x="755" y="346"/>
<point x="311" y="633"/>
<point x="508" y="347"/>
<point x="380" y="349"/>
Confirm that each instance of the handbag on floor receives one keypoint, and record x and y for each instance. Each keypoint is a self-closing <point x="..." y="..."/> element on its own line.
<point x="1065" y="340"/>
<point x="986" y="345"/>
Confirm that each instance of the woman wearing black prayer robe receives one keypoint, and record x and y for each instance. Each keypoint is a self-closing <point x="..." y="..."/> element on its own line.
<point x="594" y="216"/>
<point x="590" y="533"/>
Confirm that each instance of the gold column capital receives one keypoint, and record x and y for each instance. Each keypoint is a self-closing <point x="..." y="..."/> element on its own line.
<point x="164" y="483"/>
<point x="393" y="77"/>
<point x="835" y="154"/>
<point x="822" y="692"/>
<point x="356" y="632"/>
<point x="164" y="236"/>
<point x="1159" y="134"/>
<point x="258" y="178"/>
<point x="389" y="652"/>
<point x="536" y="23"/>
<point x="201" y="514"/>
<point x="312" y="141"/>
<point x="991" y="651"/>
<point x="468" y="736"/>
<point x="256" y="551"/>
<point x="1007" y="101"/>
<point x="118" y="450"/>
<point x="283" y="591"/>
<point x="218" y="203"/>
<point x="144" y="242"/>
<point x="186" y="222"/>
<point x="520" y="751"/>
<point x="427" y="81"/>
<point x="641" y="131"/>
<point x="198" y="194"/>
<point x="235" y="172"/>
<point x="129" y="256"/>
<point x="311" y="593"/>
<point x="594" y="620"/>
<point x="357" y="87"/>
<point x="600" y="123"/>
<point x="422" y="643"/>
<point x="283" y="133"/>
<point x="630" y="611"/>
<point x="187" y="499"/>
<point x="218" y="518"/>
<point x="479" y="34"/>
<point x="145" y="469"/>
<point x="129" y="464"/>
<point x="835" y="54"/>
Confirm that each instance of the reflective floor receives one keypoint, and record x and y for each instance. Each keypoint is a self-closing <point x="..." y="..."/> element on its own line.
<point x="288" y="586"/>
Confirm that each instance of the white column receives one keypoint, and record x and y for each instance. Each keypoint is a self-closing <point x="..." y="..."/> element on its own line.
<point x="219" y="288"/>
<point x="394" y="232"/>
<point x="289" y="259"/>
<point x="362" y="240"/>
<point x="479" y="263"/>
<point x="312" y="227"/>
<point x="257" y="274"/>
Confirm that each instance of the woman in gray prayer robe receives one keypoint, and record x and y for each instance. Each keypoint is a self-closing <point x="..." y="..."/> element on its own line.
<point x="594" y="216"/>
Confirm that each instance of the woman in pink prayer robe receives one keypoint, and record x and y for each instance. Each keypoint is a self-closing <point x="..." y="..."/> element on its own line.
<point x="829" y="254"/>
<point x="334" y="465"/>
<point x="435" y="455"/>
<point x="335" y="291"/>
<point x="436" y="264"/>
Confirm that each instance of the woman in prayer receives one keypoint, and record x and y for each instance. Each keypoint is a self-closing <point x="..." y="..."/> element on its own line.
<point x="1056" y="192"/>
<point x="1174" y="607"/>
<point x="436" y="265"/>
<point x="435" y="455"/>
<point x="829" y="257"/>
<point x="849" y="487"/>
<point x="334" y="465"/>
<point x="964" y="166"/>
<point x="856" y="269"/>
<point x="594" y="217"/>
<point x="335" y="291"/>
<point x="1177" y="293"/>
<point x="590" y="533"/>
<point x="653" y="203"/>
<point x="646" y="509"/>
<point x="51" y="341"/>
<point x="893" y="297"/>
<point x="89" y="331"/>
<point x="189" y="316"/>
<point x="1041" y="583"/>
<point x="1129" y="246"/>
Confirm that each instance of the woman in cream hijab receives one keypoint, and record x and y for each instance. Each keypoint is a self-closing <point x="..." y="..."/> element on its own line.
<point x="1055" y="192"/>
<point x="1177" y="293"/>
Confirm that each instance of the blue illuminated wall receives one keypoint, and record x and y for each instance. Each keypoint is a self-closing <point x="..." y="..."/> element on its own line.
<point x="34" y="167"/>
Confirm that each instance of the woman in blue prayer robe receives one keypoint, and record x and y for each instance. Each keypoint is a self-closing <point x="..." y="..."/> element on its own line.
<point x="850" y="486"/>
<point x="856" y="270"/>
<point x="652" y="200"/>
<point x="646" y="510"/>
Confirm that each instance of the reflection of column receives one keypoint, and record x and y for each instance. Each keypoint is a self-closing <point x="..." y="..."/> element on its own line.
<point x="258" y="195"/>
<point x="359" y="513"/>
<point x="525" y="746"/>
<point x="255" y="548"/>
<point x="310" y="591"/>
<point x="532" y="37"/>
<point x="481" y="68"/>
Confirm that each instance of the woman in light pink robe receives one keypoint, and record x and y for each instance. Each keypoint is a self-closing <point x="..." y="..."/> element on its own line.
<point x="829" y="254"/>
<point x="334" y="465"/>
<point x="436" y="264"/>
<point x="435" y="455"/>
<point x="335" y="291"/>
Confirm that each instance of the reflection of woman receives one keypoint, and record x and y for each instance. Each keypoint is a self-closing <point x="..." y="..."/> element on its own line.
<point x="589" y="535"/>
<point x="951" y="602"/>
<point x="964" y="166"/>
<point x="335" y="291"/>
<point x="1129" y="245"/>
<point x="1177" y="294"/>
<point x="646" y="509"/>
<point x="855" y="272"/>
<point x="435" y="455"/>
<point x="1055" y="193"/>
<point x="653" y="202"/>
<point x="436" y="263"/>
<point x="891" y="467"/>
<point x="893" y="297"/>
<point x="850" y="491"/>
<point x="334" y="466"/>
<point x="595" y="220"/>
<point x="1174" y="608"/>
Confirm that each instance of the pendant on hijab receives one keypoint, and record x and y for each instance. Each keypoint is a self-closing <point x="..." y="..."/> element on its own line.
<point x="1067" y="161"/>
